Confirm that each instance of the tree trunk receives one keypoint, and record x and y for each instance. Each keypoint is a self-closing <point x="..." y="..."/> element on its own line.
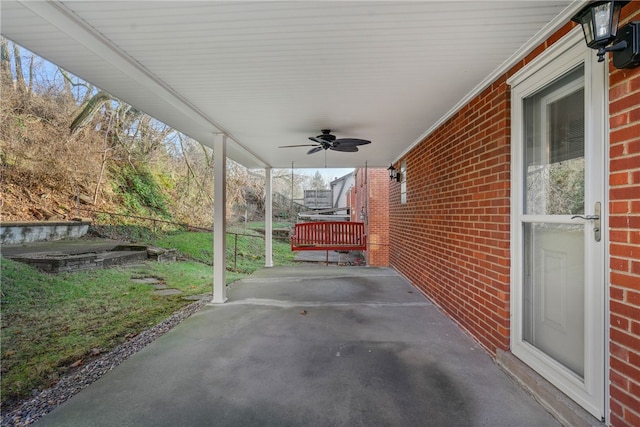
<point x="32" y="61"/>
<point x="20" y="83"/>
<point x="5" y="63"/>
<point x="103" y="160"/>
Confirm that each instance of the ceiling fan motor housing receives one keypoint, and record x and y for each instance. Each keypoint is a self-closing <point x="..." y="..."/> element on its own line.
<point x="326" y="135"/>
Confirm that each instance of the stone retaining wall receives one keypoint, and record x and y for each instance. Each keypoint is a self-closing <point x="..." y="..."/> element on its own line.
<point x="12" y="233"/>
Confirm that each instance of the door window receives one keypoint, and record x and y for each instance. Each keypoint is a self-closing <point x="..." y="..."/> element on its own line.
<point x="553" y="294"/>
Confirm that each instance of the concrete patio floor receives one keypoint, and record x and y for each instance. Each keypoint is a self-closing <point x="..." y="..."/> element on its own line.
<point x="309" y="346"/>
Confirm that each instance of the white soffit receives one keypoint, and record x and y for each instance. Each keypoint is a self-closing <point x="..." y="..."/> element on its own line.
<point x="274" y="73"/>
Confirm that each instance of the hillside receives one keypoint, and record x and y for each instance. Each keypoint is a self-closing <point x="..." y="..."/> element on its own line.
<point x="68" y="150"/>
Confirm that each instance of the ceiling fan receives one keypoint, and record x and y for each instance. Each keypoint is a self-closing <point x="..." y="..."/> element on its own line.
<point x="326" y="141"/>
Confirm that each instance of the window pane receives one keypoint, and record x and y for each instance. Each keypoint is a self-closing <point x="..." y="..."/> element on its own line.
<point x="553" y="297"/>
<point x="554" y="156"/>
<point x="403" y="182"/>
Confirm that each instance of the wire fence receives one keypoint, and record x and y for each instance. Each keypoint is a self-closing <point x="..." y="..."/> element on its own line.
<point x="245" y="247"/>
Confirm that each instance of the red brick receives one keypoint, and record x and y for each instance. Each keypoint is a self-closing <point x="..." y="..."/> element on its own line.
<point x="624" y="398"/>
<point x="634" y="84"/>
<point x="619" y="380"/>
<point x="615" y="419"/>
<point x="617" y="207"/>
<point x="632" y="417"/>
<point x="452" y="240"/>
<point x="617" y="150"/>
<point x="635" y="268"/>
<point x="616" y="408"/>
<point x="628" y="222"/>
<point x="619" y="264"/>
<point x="625" y="251"/>
<point x="627" y="340"/>
<point x="626" y="280"/>
<point x="629" y="132"/>
<point x="625" y="163"/>
<point x="625" y="369"/>
<point x="619" y="352"/>
<point x="620" y="178"/>
<point x="619" y="91"/>
<point x="625" y="310"/>
<point x="619" y="322"/>
<point x="375" y="185"/>
<point x="617" y="76"/>
<point x="616" y="293"/>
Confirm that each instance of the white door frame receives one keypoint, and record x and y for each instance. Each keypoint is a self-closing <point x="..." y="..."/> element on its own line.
<point x="556" y="61"/>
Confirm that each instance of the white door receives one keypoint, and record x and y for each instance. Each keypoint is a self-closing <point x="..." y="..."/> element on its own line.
<point x="558" y="253"/>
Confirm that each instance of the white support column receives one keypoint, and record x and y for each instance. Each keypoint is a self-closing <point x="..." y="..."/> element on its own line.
<point x="219" y="218"/>
<point x="268" y="219"/>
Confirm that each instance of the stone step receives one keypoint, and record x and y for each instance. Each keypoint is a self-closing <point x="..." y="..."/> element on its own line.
<point x="113" y="258"/>
<point x="58" y="262"/>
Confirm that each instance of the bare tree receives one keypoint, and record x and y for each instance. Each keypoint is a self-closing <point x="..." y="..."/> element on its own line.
<point x="21" y="85"/>
<point x="5" y="61"/>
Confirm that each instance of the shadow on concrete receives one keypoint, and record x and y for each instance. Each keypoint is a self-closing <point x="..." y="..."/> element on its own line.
<point x="309" y="346"/>
<point x="348" y="258"/>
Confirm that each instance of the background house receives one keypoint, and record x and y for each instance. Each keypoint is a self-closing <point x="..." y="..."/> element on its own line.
<point x="339" y="189"/>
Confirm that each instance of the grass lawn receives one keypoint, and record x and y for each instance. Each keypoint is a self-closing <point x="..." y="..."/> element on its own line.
<point x="50" y="322"/>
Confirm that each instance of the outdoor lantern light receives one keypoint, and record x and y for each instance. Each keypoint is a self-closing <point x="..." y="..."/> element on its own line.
<point x="599" y="21"/>
<point x="393" y="174"/>
<point x="363" y="215"/>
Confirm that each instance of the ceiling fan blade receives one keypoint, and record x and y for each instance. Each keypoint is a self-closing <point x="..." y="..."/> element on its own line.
<point x="314" y="150"/>
<point x="344" y="148"/>
<point x="317" y="139"/>
<point x="300" y="145"/>
<point x="351" y="141"/>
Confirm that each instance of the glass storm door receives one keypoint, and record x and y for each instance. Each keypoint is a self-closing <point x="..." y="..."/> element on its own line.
<point x="560" y="265"/>
<point x="553" y="276"/>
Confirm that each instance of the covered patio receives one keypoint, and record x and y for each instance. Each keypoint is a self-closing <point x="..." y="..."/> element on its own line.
<point x="248" y="78"/>
<point x="432" y="85"/>
<point x="313" y="346"/>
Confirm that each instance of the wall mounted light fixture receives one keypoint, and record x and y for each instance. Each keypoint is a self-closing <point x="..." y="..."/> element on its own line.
<point x="393" y="173"/>
<point x="599" y="21"/>
<point x="363" y="215"/>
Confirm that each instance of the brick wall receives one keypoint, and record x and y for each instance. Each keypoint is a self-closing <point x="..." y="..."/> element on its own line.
<point x="451" y="238"/>
<point x="370" y="195"/>
<point x="624" y="223"/>
<point x="378" y="217"/>
<point x="454" y="227"/>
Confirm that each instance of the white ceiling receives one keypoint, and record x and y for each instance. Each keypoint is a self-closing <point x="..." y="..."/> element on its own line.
<point x="274" y="73"/>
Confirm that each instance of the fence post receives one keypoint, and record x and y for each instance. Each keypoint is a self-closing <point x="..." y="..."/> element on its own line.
<point x="235" y="253"/>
